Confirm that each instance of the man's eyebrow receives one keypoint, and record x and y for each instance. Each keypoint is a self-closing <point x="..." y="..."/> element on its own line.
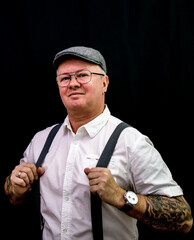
<point x="71" y="72"/>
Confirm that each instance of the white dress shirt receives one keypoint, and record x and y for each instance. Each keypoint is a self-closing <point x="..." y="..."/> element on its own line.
<point x="65" y="194"/>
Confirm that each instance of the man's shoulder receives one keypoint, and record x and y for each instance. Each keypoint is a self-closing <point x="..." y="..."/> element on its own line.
<point x="130" y="134"/>
<point x="114" y="122"/>
<point x="43" y="134"/>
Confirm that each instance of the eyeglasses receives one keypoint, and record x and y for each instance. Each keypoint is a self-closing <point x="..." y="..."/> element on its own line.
<point x="81" y="76"/>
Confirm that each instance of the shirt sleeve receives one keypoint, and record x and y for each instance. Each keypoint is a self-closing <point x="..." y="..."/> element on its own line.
<point x="150" y="174"/>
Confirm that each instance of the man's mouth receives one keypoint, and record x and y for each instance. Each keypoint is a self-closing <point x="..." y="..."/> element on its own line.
<point x="75" y="93"/>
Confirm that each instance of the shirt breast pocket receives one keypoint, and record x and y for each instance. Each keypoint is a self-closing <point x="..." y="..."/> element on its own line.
<point x="89" y="161"/>
<point x="117" y="169"/>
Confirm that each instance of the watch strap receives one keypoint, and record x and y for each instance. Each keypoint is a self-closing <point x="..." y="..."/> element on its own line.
<point x="126" y="208"/>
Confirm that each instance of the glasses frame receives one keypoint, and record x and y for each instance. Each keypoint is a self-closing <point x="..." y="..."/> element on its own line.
<point x="70" y="75"/>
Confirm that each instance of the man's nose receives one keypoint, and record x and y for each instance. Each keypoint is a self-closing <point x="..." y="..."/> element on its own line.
<point x="74" y="82"/>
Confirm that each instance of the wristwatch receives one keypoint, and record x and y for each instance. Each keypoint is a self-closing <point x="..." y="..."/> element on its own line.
<point x="131" y="199"/>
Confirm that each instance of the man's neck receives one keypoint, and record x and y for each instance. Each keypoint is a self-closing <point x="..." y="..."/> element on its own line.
<point x="78" y="119"/>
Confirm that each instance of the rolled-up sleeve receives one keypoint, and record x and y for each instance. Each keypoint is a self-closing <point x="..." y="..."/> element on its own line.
<point x="150" y="174"/>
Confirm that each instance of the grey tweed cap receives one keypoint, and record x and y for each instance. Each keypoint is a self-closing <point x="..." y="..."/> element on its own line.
<point x="85" y="53"/>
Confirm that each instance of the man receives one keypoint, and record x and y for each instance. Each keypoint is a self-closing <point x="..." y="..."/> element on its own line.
<point x="136" y="185"/>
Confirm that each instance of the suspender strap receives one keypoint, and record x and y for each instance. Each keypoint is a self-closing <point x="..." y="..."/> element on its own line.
<point x="110" y="146"/>
<point x="96" y="203"/>
<point x="36" y="184"/>
<point x="47" y="144"/>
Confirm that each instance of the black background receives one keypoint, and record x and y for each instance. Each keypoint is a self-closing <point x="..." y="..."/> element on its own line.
<point x="148" y="47"/>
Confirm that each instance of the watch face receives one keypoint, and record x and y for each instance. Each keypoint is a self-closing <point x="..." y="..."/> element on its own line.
<point x="131" y="198"/>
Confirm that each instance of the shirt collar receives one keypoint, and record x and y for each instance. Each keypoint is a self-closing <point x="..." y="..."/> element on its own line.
<point x="94" y="126"/>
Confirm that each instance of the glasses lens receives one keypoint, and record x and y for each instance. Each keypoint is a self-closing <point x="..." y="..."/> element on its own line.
<point x="63" y="80"/>
<point x="83" y="76"/>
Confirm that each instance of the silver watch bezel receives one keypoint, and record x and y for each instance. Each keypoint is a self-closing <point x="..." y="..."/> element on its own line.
<point x="130" y="198"/>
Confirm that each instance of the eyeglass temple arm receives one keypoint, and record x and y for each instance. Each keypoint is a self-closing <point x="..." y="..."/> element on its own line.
<point x="101" y="74"/>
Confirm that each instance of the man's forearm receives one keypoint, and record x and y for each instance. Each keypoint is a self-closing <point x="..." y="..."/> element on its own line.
<point x="9" y="192"/>
<point x="160" y="212"/>
<point x="164" y="213"/>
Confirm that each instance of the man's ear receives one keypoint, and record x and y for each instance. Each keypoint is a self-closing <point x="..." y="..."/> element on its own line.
<point x="105" y="83"/>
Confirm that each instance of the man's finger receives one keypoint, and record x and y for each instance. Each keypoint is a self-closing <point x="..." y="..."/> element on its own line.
<point x="87" y="171"/>
<point x="40" y="171"/>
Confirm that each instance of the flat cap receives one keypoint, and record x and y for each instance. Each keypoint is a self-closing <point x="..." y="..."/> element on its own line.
<point x="85" y="53"/>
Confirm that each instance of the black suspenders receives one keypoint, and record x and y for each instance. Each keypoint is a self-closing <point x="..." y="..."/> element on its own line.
<point x="96" y="203"/>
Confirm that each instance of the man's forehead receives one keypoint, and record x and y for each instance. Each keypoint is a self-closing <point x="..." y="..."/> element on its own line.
<point x="73" y="64"/>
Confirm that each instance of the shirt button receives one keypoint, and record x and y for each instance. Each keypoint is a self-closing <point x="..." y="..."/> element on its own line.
<point x="64" y="230"/>
<point x="66" y="199"/>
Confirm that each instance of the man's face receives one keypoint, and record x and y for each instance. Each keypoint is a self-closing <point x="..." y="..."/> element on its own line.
<point x="87" y="98"/>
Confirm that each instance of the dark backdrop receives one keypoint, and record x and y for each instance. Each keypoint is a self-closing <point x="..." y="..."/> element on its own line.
<point x="148" y="47"/>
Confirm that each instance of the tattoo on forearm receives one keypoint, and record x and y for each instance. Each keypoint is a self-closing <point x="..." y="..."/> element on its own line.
<point x="167" y="213"/>
<point x="9" y="184"/>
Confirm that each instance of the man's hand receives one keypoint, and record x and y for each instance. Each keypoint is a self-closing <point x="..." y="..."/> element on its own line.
<point x="20" y="181"/>
<point x="102" y="183"/>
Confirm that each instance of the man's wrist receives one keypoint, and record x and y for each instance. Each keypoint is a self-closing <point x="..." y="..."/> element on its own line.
<point x="131" y="199"/>
<point x="121" y="200"/>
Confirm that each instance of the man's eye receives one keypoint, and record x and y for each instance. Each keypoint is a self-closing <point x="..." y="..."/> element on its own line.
<point x="65" y="78"/>
<point x="82" y="75"/>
